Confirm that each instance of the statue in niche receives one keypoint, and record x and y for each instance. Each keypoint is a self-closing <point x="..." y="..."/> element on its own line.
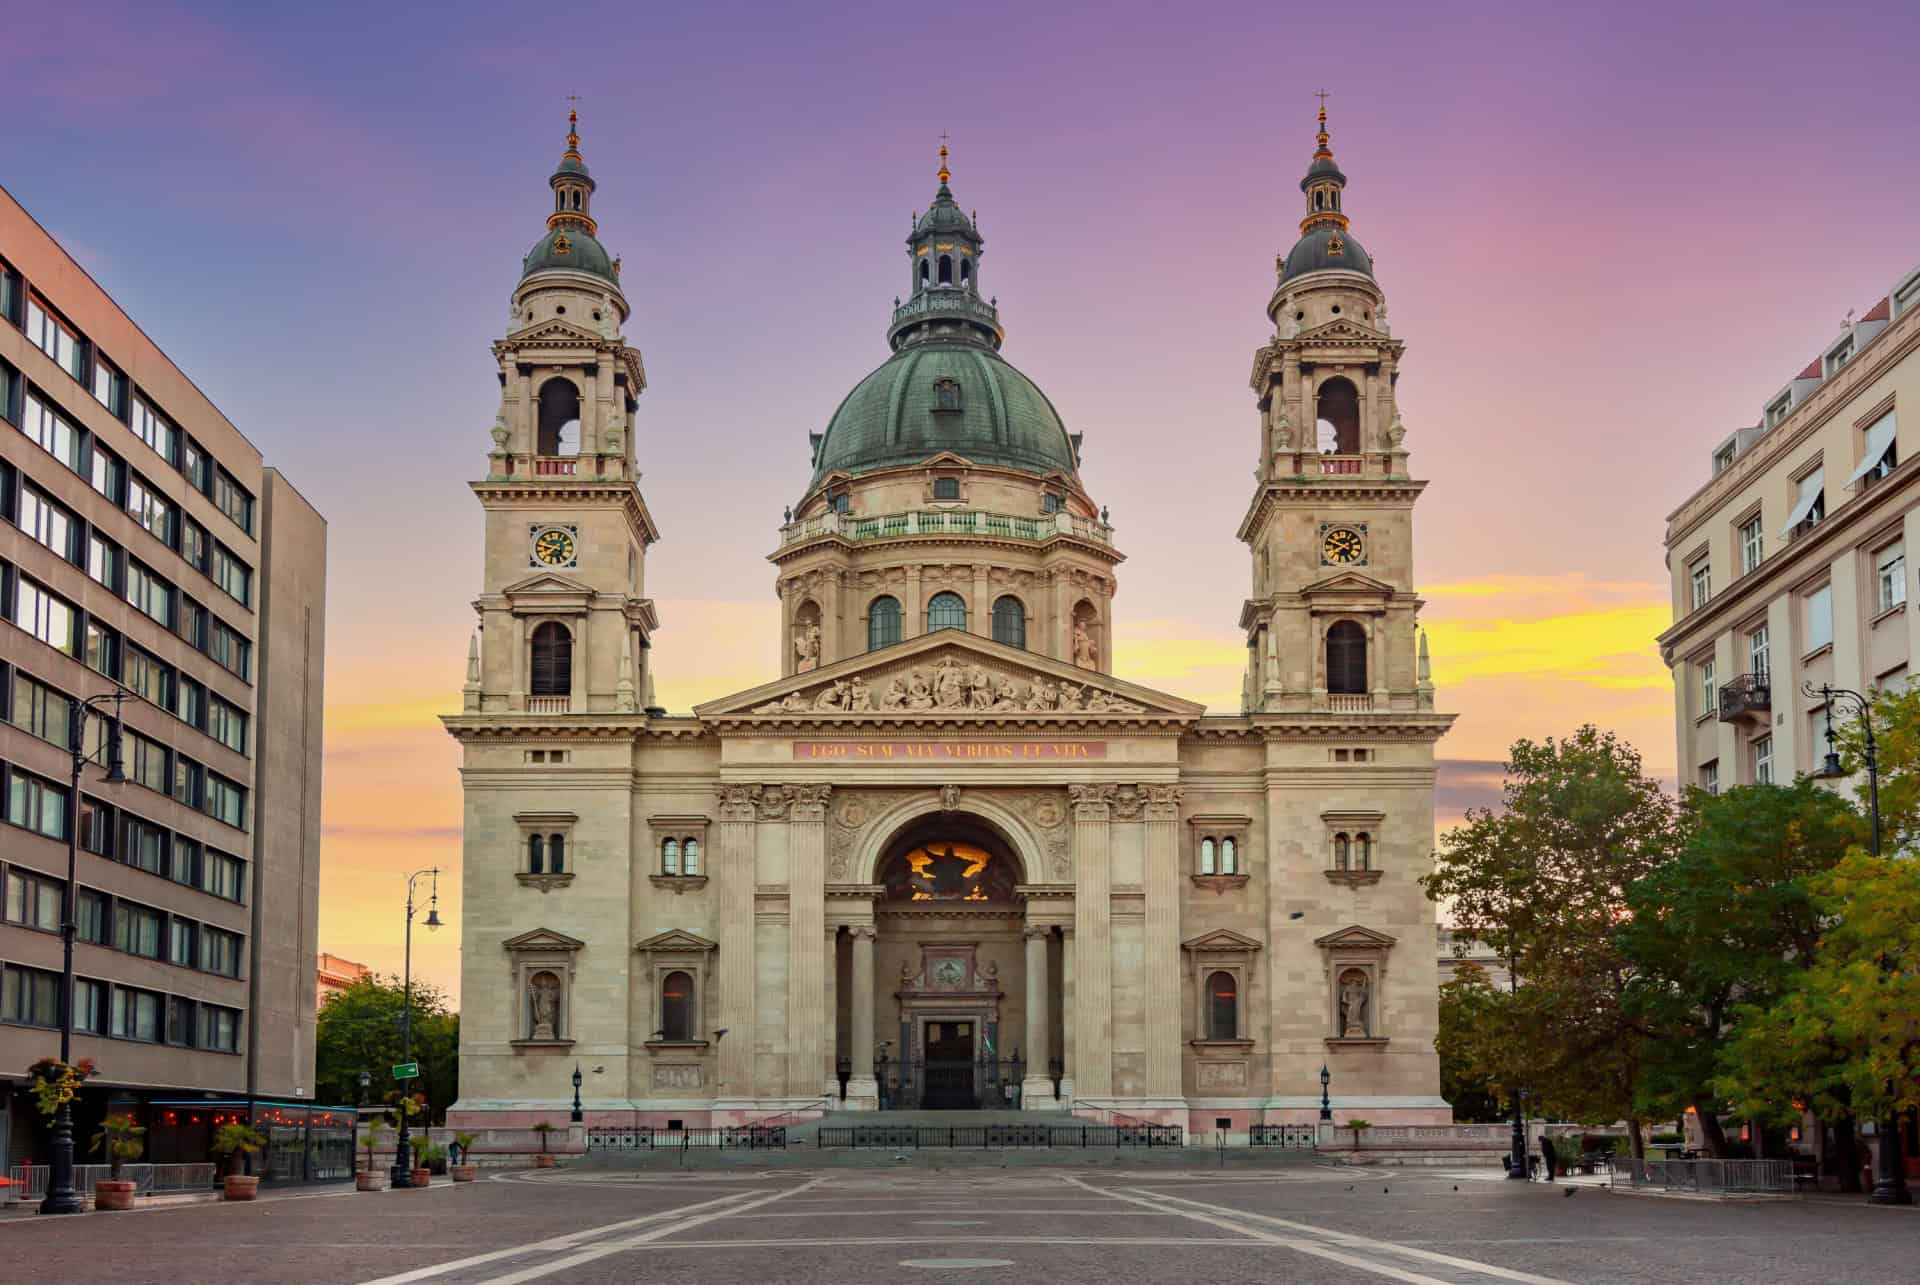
<point x="1085" y="653"/>
<point x="1380" y="318"/>
<point x="806" y="647"/>
<point x="543" y="1001"/>
<point x="500" y="434"/>
<point x="1353" y="1005"/>
<point x="1289" y="326"/>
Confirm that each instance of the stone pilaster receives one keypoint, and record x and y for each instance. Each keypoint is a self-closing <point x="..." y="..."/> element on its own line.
<point x="830" y="1038"/>
<point x="861" y="1032"/>
<point x="1037" y="1092"/>
<point x="1066" y="1014"/>
<point x="1093" y="925"/>
<point x="733" y="873"/>
<point x="1162" y="889"/>
<point x="806" y="929"/>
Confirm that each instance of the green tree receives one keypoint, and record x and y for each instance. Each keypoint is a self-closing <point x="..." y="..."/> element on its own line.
<point x="1475" y="1045"/>
<point x="1845" y="1036"/>
<point x="1730" y="921"/>
<point x="359" y="1030"/>
<point x="1543" y="882"/>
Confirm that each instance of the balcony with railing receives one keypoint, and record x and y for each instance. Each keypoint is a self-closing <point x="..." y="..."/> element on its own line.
<point x="1341" y="703"/>
<point x="946" y="522"/>
<point x="549" y="704"/>
<point x="1746" y="696"/>
<point x="1342" y="465"/>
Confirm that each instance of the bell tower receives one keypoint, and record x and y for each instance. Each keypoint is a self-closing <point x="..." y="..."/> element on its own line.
<point x="564" y="625"/>
<point x="1331" y="618"/>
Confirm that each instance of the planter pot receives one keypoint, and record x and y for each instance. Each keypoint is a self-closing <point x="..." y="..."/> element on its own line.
<point x="365" y="1180"/>
<point x="241" y="1186"/>
<point x="464" y="1173"/>
<point x="543" y="1161"/>
<point x="423" y="1177"/>
<point x="110" y="1194"/>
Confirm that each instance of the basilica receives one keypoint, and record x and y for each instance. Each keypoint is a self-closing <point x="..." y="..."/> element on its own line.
<point x="946" y="856"/>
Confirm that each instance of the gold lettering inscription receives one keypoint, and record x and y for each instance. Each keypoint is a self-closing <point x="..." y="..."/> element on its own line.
<point x="950" y="751"/>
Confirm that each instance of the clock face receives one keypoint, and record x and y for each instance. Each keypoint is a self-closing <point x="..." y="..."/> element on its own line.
<point x="554" y="547"/>
<point x="1342" y="546"/>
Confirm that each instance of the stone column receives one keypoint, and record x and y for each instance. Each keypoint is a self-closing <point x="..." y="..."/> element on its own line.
<point x="1036" y="1094"/>
<point x="1162" y="888"/>
<point x="806" y="926"/>
<point x="981" y="617"/>
<point x="861" y="1085"/>
<point x="830" y="1039"/>
<point x="913" y="606"/>
<point x="1092" y="922"/>
<point x="734" y="872"/>
<point x="1066" y="1015"/>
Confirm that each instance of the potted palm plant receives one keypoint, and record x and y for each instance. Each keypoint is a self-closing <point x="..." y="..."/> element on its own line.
<point x="236" y="1142"/>
<point x="543" y="1160"/>
<point x="368" y="1179"/>
<point x="422" y="1146"/>
<point x="119" y="1138"/>
<point x="1357" y="1124"/>
<point x="466" y="1170"/>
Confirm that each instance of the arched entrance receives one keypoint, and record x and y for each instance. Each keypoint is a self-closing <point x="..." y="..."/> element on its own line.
<point x="952" y="995"/>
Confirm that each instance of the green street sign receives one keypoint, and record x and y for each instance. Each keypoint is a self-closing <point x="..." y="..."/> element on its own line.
<point x="407" y="1071"/>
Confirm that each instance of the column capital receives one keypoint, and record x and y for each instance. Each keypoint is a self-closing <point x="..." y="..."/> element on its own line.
<point x="736" y="801"/>
<point x="1163" y="802"/>
<point x="807" y="802"/>
<point x="1090" y="802"/>
<point x="861" y="932"/>
<point x="1041" y="931"/>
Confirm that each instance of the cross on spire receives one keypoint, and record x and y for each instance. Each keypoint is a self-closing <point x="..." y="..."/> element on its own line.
<point x="944" y="174"/>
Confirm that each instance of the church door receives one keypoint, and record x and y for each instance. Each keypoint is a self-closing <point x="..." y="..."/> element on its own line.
<point x="949" y="1082"/>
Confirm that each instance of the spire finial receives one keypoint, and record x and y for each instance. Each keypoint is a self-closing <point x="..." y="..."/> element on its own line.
<point x="944" y="174"/>
<point x="1321" y="138"/>
<point x="573" y="125"/>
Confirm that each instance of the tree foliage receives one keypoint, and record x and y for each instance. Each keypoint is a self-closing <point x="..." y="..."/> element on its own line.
<point x="1543" y="882"/>
<point x="1475" y="1046"/>
<point x="359" y="1029"/>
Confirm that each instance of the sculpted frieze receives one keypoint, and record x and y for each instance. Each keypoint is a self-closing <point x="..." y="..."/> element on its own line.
<point x="951" y="686"/>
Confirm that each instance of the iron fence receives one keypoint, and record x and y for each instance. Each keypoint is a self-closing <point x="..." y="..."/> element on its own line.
<point x="750" y="1138"/>
<point x="983" y="1082"/>
<point x="30" y="1181"/>
<point x="992" y="1137"/>
<point x="1293" y="1136"/>
<point x="1717" y="1177"/>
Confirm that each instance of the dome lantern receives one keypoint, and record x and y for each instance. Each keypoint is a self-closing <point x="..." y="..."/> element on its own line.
<point x="571" y="242"/>
<point x="1325" y="244"/>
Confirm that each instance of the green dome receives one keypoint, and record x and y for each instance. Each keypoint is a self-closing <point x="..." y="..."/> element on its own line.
<point x="891" y="417"/>
<point x="583" y="254"/>
<point x="1313" y="253"/>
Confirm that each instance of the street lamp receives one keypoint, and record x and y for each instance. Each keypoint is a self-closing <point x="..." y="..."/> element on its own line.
<point x="61" y="1198"/>
<point x="366" y="1079"/>
<point x="577" y="1116"/>
<point x="1326" y="1103"/>
<point x="1517" y="1162"/>
<point x="1889" y="1176"/>
<point x="401" y="1175"/>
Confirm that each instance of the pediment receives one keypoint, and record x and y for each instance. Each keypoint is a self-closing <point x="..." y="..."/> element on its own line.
<point x="948" y="459"/>
<point x="555" y="330"/>
<point x="1220" y="939"/>
<point x="1340" y="330"/>
<point x="1355" y="937"/>
<point x="548" y="583"/>
<point x="1348" y="584"/>
<point x="947" y="675"/>
<point x="676" y="939"/>
<point x="542" y="939"/>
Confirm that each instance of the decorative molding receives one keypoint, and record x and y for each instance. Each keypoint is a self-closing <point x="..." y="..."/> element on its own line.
<point x="678" y="884"/>
<point x="1354" y="878"/>
<point x="1355" y="1042"/>
<point x="545" y="882"/>
<point x="1218" y="884"/>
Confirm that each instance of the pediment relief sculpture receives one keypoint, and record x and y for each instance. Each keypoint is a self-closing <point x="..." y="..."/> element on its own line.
<point x="949" y="686"/>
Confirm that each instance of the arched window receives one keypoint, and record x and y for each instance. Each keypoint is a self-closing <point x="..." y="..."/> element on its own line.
<point x="1223" y="1007"/>
<point x="946" y="269"/>
<point x="556" y="854"/>
<point x="1337" y="413"/>
<point x="1010" y="622"/>
<point x="1319" y="199"/>
<point x="1206" y="857"/>
<point x="966" y="271"/>
<point x="670" y="856"/>
<point x="883" y="623"/>
<point x="690" y="856"/>
<point x="1346" y="658"/>
<point x="1363" y="851"/>
<point x="1229" y="858"/>
<point x="552" y="667"/>
<point x="946" y="611"/>
<point x="1340" y="852"/>
<point x="536" y="854"/>
<point x="559" y="418"/>
<point x="676" y="1006"/>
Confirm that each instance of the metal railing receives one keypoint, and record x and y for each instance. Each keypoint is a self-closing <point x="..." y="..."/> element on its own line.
<point x="1300" y="1137"/>
<point x="994" y="1137"/>
<point x="30" y="1181"/>
<point x="1745" y="694"/>
<point x="1708" y="1176"/>
<point x="745" y="1138"/>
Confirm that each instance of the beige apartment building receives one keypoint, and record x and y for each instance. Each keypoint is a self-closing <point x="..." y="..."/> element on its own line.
<point x="144" y="547"/>
<point x="945" y="856"/>
<point x="1789" y="564"/>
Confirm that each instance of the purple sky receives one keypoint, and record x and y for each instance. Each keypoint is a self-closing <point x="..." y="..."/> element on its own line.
<point x="1608" y="233"/>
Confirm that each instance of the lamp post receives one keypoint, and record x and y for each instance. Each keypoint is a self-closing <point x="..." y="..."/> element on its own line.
<point x="1517" y="1162"/>
<point x="61" y="1198"/>
<point x="366" y="1079"/>
<point x="1889" y="1175"/>
<point x="577" y="1116"/>
<point x="1326" y="1103"/>
<point x="401" y="1175"/>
